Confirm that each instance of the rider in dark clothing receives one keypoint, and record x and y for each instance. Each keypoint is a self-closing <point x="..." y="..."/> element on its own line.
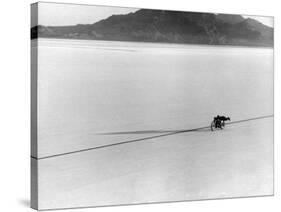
<point x="219" y="120"/>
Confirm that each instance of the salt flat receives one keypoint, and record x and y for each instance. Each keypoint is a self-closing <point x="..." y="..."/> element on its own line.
<point x="235" y="162"/>
<point x="90" y="87"/>
<point x="96" y="93"/>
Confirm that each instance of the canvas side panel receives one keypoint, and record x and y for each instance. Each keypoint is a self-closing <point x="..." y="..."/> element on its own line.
<point x="33" y="112"/>
<point x="34" y="183"/>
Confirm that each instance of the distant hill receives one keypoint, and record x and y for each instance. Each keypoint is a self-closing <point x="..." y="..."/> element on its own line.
<point x="229" y="19"/>
<point x="167" y="26"/>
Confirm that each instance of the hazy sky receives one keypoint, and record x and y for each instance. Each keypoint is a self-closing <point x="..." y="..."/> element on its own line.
<point x="263" y="19"/>
<point x="52" y="14"/>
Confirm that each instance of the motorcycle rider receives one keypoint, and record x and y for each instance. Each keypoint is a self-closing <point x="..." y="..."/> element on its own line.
<point x="219" y="120"/>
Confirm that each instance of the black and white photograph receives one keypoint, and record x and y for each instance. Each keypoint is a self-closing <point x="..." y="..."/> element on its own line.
<point x="135" y="106"/>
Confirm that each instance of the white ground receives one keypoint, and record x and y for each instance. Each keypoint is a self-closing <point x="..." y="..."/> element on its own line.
<point x="87" y="88"/>
<point x="235" y="162"/>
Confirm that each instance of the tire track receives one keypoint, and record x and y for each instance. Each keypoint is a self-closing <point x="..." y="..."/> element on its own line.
<point x="167" y="133"/>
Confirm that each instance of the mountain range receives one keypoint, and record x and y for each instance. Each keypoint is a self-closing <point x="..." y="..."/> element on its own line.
<point x="147" y="25"/>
